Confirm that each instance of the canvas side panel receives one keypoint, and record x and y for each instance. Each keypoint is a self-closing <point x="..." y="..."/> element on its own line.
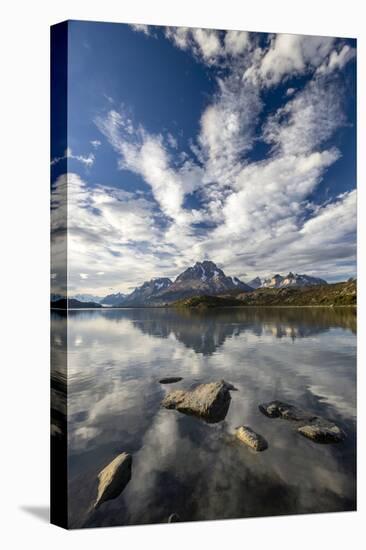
<point x="59" y="71"/>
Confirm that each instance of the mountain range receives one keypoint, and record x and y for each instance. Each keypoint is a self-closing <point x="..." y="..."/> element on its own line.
<point x="111" y="299"/>
<point x="292" y="279"/>
<point x="87" y="298"/>
<point x="203" y="278"/>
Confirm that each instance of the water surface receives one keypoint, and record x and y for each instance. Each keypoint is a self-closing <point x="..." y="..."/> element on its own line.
<point x="305" y="356"/>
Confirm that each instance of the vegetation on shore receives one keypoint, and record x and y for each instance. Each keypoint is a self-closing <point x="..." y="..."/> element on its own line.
<point x="337" y="294"/>
<point x="207" y="301"/>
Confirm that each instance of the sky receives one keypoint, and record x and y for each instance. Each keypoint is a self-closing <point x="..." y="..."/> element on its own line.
<point x="187" y="144"/>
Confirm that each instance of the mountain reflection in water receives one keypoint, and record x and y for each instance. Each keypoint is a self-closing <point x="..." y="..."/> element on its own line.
<point x="306" y="356"/>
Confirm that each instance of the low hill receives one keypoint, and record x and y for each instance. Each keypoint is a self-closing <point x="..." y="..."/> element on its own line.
<point x="337" y="294"/>
<point x="72" y="303"/>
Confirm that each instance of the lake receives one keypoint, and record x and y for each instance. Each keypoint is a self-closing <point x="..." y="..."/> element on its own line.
<point x="181" y="464"/>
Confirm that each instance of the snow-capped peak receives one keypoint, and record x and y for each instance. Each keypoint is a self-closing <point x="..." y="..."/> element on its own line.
<point x="291" y="279"/>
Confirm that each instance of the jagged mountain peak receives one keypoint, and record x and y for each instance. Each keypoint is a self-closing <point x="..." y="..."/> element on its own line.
<point x="291" y="279"/>
<point x="113" y="299"/>
<point x="158" y="282"/>
<point x="255" y="283"/>
<point x="200" y="279"/>
<point x="201" y="270"/>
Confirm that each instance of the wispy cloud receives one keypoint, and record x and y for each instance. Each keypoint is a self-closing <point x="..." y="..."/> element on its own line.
<point x="145" y="29"/>
<point x="209" y="45"/>
<point x="86" y="160"/>
<point x="337" y="60"/>
<point x="147" y="155"/>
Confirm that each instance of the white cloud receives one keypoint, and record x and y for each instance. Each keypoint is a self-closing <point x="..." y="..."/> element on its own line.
<point x="227" y="129"/>
<point x="307" y="120"/>
<point x="96" y="143"/>
<point x="208" y="45"/>
<point x="137" y="27"/>
<point x="236" y="42"/>
<point x="111" y="235"/>
<point x="146" y="155"/>
<point x="288" y="55"/>
<point x="86" y="160"/>
<point x="337" y="60"/>
<point x="179" y="35"/>
<point x="172" y="141"/>
<point x="208" y="42"/>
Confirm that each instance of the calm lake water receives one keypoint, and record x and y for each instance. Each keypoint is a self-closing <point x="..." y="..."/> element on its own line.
<point x="181" y="464"/>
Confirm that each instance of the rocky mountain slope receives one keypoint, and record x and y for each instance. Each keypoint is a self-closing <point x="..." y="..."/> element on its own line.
<point x="282" y="281"/>
<point x="145" y="294"/>
<point x="200" y="279"/>
<point x="112" y="299"/>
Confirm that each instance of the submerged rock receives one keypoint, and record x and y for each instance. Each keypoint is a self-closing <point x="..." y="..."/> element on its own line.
<point x="114" y="478"/>
<point x="322" y="431"/>
<point x="279" y="409"/>
<point x="251" y="438"/>
<point x="170" y="379"/>
<point x="311" y="426"/>
<point x="173" y="518"/>
<point x="208" y="401"/>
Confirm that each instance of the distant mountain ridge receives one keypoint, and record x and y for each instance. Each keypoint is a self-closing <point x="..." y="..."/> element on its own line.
<point x="145" y="294"/>
<point x="112" y="299"/>
<point x="86" y="298"/>
<point x="290" y="280"/>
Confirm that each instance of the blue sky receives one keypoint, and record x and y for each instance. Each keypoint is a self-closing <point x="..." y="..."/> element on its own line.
<point x="191" y="144"/>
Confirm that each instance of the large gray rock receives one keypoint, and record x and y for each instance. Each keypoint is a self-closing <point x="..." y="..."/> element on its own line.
<point x="322" y="431"/>
<point x="251" y="438"/>
<point x="279" y="409"/>
<point x="208" y="401"/>
<point x="114" y="478"/>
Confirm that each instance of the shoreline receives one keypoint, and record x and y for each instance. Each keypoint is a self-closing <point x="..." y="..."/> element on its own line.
<point x="203" y="307"/>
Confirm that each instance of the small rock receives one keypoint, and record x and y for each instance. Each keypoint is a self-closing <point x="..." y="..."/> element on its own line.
<point x="173" y="518"/>
<point x="208" y="401"/>
<point x="170" y="379"/>
<point x="270" y="409"/>
<point x="251" y="438"/>
<point x="313" y="427"/>
<point x="114" y="478"/>
<point x="322" y="431"/>
<point x="276" y="409"/>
